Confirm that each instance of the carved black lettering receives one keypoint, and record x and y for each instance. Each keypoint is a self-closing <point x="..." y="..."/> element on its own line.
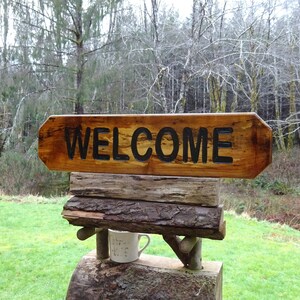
<point x="136" y="154"/>
<point x="158" y="147"/>
<point x="116" y="154"/>
<point x="97" y="143"/>
<point x="221" y="144"/>
<point x="188" y="140"/>
<point x="71" y="146"/>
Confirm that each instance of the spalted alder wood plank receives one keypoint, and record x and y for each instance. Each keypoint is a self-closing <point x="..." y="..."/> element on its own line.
<point x="149" y="217"/>
<point x="200" y="191"/>
<point x="234" y="145"/>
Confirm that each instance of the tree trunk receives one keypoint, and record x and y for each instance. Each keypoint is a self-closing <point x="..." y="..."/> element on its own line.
<point x="79" y="75"/>
<point x="150" y="277"/>
<point x="291" y="126"/>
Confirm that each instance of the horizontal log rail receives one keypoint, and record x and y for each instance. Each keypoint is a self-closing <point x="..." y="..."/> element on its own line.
<point x="148" y="217"/>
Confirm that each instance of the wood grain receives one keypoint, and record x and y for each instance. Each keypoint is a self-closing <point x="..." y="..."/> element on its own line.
<point x="241" y="149"/>
<point x="148" y="217"/>
<point x="200" y="191"/>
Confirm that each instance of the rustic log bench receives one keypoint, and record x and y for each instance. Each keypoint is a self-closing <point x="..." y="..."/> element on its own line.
<point x="170" y="206"/>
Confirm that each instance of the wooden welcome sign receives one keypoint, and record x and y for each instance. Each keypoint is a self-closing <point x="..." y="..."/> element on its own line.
<point x="236" y="145"/>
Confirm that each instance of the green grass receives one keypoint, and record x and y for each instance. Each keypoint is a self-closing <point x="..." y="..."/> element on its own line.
<point x="39" y="251"/>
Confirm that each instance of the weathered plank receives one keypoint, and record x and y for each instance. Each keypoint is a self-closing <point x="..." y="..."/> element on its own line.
<point x="200" y="191"/>
<point x="234" y="145"/>
<point x="148" y="217"/>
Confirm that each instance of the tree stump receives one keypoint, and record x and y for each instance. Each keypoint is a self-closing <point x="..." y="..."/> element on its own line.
<point x="150" y="277"/>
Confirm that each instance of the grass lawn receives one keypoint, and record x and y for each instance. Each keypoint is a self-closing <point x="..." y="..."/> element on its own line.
<point x="39" y="251"/>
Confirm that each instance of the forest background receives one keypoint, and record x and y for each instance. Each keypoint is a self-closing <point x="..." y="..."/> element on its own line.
<point x="114" y="56"/>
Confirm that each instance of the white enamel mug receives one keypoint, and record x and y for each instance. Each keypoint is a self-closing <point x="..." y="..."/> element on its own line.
<point x="124" y="245"/>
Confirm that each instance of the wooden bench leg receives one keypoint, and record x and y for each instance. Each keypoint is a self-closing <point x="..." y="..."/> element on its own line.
<point x="195" y="256"/>
<point x="102" y="243"/>
<point x="187" y="250"/>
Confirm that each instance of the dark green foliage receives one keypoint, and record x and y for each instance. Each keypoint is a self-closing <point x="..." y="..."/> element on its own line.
<point x="280" y="188"/>
<point x="261" y="181"/>
<point x="282" y="177"/>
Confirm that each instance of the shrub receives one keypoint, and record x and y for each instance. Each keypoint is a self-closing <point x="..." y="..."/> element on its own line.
<point x="284" y="172"/>
<point x="273" y="195"/>
<point x="26" y="174"/>
<point x="280" y="188"/>
<point x="282" y="177"/>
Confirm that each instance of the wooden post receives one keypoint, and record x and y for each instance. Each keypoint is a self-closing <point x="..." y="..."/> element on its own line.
<point x="102" y="243"/>
<point x="173" y="241"/>
<point x="195" y="257"/>
<point x="192" y="247"/>
<point x="188" y="243"/>
<point x="188" y="250"/>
